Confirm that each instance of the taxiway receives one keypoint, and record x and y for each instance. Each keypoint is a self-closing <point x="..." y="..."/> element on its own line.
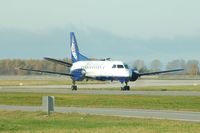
<point x="137" y="113"/>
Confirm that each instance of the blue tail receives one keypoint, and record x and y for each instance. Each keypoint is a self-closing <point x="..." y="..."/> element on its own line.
<point x="75" y="54"/>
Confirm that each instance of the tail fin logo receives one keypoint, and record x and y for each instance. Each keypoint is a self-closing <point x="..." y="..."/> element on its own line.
<point x="74" y="51"/>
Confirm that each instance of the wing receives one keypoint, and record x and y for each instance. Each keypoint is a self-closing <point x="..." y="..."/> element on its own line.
<point x="44" y="71"/>
<point x="51" y="72"/>
<point x="58" y="61"/>
<point x="154" y="73"/>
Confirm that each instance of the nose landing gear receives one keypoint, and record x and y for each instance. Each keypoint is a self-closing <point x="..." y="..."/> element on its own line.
<point x="126" y="87"/>
<point x="74" y="87"/>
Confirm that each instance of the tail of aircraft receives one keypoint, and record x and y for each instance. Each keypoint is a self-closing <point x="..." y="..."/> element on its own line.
<point x="75" y="54"/>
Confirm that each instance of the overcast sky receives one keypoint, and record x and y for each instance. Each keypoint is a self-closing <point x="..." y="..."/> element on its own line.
<point x="120" y="29"/>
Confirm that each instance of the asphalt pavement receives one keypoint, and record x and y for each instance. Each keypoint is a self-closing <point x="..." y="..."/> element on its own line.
<point x="137" y="113"/>
<point x="92" y="88"/>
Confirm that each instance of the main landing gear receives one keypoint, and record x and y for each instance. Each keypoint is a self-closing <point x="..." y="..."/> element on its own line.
<point x="74" y="87"/>
<point x="126" y="87"/>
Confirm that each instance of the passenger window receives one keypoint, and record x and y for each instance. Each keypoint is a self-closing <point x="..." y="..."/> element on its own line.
<point x="120" y="66"/>
<point x="114" y="66"/>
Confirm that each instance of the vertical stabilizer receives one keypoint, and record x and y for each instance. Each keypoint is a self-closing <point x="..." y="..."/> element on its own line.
<point x="75" y="55"/>
<point x="74" y="48"/>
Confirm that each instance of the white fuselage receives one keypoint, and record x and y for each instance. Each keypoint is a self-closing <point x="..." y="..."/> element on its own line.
<point x="103" y="68"/>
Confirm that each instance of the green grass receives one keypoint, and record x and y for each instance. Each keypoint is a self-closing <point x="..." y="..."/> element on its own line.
<point x="169" y="88"/>
<point x="179" y="77"/>
<point x="189" y="103"/>
<point x="154" y="88"/>
<point x="42" y="82"/>
<point x="33" y="82"/>
<point x="172" y="77"/>
<point x="23" y="122"/>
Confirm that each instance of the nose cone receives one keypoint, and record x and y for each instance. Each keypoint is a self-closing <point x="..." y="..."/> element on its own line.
<point x="134" y="75"/>
<point x="129" y="71"/>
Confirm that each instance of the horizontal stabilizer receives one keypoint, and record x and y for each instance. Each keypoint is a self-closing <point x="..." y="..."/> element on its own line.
<point x="58" y="61"/>
<point x="154" y="73"/>
<point x="106" y="59"/>
<point x="94" y="59"/>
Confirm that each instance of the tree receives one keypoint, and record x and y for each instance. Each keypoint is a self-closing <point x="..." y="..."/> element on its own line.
<point x="174" y="64"/>
<point x="192" y="67"/>
<point x="7" y="66"/>
<point x="140" y="66"/>
<point x="155" y="65"/>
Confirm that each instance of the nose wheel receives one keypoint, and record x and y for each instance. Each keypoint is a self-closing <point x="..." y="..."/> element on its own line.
<point x="126" y="87"/>
<point x="74" y="87"/>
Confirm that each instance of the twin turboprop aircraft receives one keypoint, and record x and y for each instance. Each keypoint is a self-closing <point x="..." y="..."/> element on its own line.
<point x="84" y="68"/>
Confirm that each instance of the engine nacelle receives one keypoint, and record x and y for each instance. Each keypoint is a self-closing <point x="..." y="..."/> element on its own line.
<point x="78" y="74"/>
<point x="135" y="75"/>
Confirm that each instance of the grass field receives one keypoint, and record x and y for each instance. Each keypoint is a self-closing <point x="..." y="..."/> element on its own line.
<point x="63" y="80"/>
<point x="29" y="122"/>
<point x="43" y="82"/>
<point x="33" y="82"/>
<point x="169" y="88"/>
<point x="172" y="77"/>
<point x="154" y="88"/>
<point x="189" y="103"/>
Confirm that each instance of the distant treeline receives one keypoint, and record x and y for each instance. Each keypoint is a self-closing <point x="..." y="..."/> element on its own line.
<point x="191" y="66"/>
<point x="7" y="66"/>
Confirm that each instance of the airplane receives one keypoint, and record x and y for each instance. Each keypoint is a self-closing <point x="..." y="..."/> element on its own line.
<point x="83" y="67"/>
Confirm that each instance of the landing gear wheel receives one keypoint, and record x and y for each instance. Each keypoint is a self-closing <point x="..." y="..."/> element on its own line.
<point x="74" y="88"/>
<point x="125" y="88"/>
